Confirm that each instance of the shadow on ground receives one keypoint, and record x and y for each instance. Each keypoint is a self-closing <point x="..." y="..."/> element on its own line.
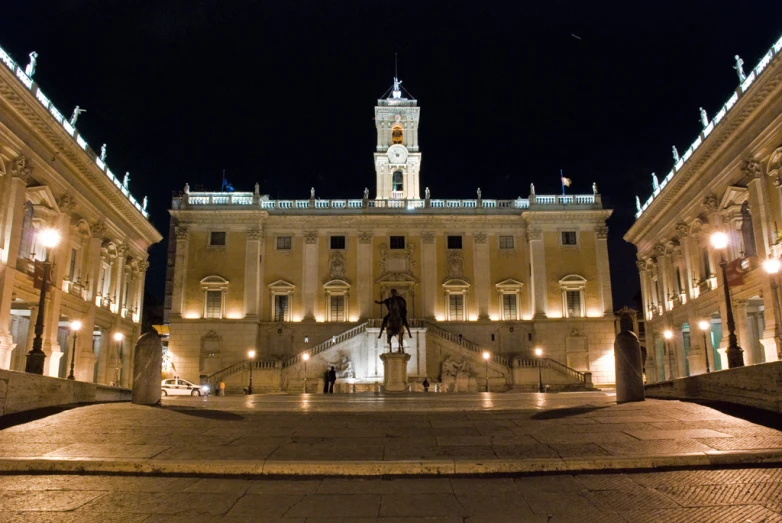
<point x="208" y="414"/>
<point x="565" y="413"/>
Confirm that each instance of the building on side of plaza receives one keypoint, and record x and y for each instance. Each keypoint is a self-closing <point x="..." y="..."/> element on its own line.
<point x="284" y="277"/>
<point x="51" y="178"/>
<point x="730" y="180"/>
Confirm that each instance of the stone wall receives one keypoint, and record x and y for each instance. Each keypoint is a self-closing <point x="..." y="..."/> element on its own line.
<point x="757" y="386"/>
<point x="20" y="392"/>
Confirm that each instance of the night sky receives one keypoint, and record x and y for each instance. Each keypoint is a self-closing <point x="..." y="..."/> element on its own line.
<point x="282" y="92"/>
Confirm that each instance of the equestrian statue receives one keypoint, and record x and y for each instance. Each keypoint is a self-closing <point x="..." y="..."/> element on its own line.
<point x="395" y="322"/>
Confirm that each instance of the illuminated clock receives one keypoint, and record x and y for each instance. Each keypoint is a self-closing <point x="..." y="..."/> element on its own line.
<point x="397" y="154"/>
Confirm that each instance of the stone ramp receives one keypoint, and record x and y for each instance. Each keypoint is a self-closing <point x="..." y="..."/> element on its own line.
<point x="374" y="435"/>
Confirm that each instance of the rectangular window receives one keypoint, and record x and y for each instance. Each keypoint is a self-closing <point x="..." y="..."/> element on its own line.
<point x="456" y="306"/>
<point x="338" y="242"/>
<point x="280" y="307"/>
<point x="214" y="304"/>
<point x="506" y="242"/>
<point x="217" y="239"/>
<point x="573" y="304"/>
<point x="705" y="264"/>
<point x="397" y="242"/>
<point x="72" y="269"/>
<point x="509" y="307"/>
<point x="283" y="243"/>
<point x="569" y="238"/>
<point x="454" y="242"/>
<point x="337" y="308"/>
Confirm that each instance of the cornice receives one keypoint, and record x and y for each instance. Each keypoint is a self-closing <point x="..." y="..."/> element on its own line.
<point x="20" y="104"/>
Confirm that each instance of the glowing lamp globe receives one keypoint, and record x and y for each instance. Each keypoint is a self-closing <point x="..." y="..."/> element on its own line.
<point x="538" y="352"/>
<point x="305" y="357"/>
<point x="118" y="336"/>
<point x="772" y="265"/>
<point x="704" y="325"/>
<point x="486" y="355"/>
<point x="251" y="354"/>
<point x="75" y="325"/>
<point x="49" y="238"/>
<point x="719" y="240"/>
<point x="668" y="335"/>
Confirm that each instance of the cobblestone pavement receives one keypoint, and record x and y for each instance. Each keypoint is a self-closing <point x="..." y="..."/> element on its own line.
<point x="358" y="427"/>
<point x="730" y="496"/>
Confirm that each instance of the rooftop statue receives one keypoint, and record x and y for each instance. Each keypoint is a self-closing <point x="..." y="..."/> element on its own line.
<point x="75" y="116"/>
<point x="675" y="155"/>
<point x="655" y="183"/>
<point x="312" y="193"/>
<point x="426" y="193"/>
<point x="594" y="188"/>
<point x="637" y="203"/>
<point x="704" y="118"/>
<point x="479" y="193"/>
<point x="366" y="193"/>
<point x="531" y="190"/>
<point x="30" y="69"/>
<point x="144" y="204"/>
<point x="103" y="152"/>
<point x="126" y="179"/>
<point x="739" y="67"/>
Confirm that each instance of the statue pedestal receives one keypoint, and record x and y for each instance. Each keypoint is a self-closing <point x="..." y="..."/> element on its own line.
<point x="395" y="371"/>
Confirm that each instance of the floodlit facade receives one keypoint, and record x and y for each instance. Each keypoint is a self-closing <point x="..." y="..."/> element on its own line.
<point x="51" y="179"/>
<point x="729" y="180"/>
<point x="284" y="277"/>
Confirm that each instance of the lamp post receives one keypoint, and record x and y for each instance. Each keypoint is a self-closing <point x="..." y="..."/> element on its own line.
<point x="75" y="326"/>
<point x="251" y="354"/>
<point x="118" y="337"/>
<point x="719" y="240"/>
<point x="49" y="238"/>
<point x="305" y="357"/>
<point x="704" y="326"/>
<point x="539" y="353"/>
<point x="486" y="356"/>
<point x="772" y="266"/>
<point x="668" y="335"/>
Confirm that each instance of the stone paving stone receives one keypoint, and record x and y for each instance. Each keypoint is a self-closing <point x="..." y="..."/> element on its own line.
<point x="741" y="514"/>
<point x="77" y="516"/>
<point x="524" y="451"/>
<point x="97" y="450"/>
<point x="252" y="518"/>
<point x="182" y="503"/>
<point x="254" y="439"/>
<point x="575" y="450"/>
<point x="655" y="447"/>
<point x="384" y="520"/>
<point x="422" y="441"/>
<point x="677" y="434"/>
<point x="683" y="478"/>
<point x="95" y="483"/>
<point x="41" y="500"/>
<point x="172" y="439"/>
<point x="753" y="431"/>
<point x="707" y="495"/>
<point x="463" y="440"/>
<point x="385" y="486"/>
<point x="420" y="505"/>
<point x="16" y="450"/>
<point x="579" y="437"/>
<point x="555" y="483"/>
<point x="232" y="486"/>
<point x="228" y="452"/>
<point x="514" y="440"/>
<point x="561" y="504"/>
<point x="772" y="442"/>
<point x="624" y="500"/>
<point x="440" y="451"/>
<point x="495" y="505"/>
<point x="598" y="482"/>
<point x="336" y="506"/>
<point x="626" y="419"/>
<point x="264" y="505"/>
<point x="476" y="486"/>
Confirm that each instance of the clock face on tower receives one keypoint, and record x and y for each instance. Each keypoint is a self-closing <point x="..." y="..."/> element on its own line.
<point x="397" y="154"/>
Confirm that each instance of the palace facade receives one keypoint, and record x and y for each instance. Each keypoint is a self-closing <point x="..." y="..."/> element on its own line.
<point x="288" y="277"/>
<point x="51" y="179"/>
<point x="729" y="180"/>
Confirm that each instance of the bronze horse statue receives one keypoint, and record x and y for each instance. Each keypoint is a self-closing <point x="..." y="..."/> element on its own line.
<point x="395" y="322"/>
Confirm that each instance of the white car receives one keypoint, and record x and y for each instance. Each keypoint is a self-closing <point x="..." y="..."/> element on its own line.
<point x="179" y="387"/>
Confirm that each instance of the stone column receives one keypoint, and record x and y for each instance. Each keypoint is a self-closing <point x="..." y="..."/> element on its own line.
<point x="538" y="280"/>
<point x="11" y="232"/>
<point x="93" y="260"/>
<point x="140" y="285"/>
<point x="309" y="287"/>
<point x="740" y="316"/>
<point x="482" y="273"/>
<point x="603" y="272"/>
<point x="180" y="272"/>
<point x="59" y="257"/>
<point x="643" y="276"/>
<point x="688" y="273"/>
<point x="429" y="274"/>
<point x="85" y="355"/>
<point x="119" y="290"/>
<point x="364" y="272"/>
<point x="104" y="357"/>
<point x="758" y="201"/>
<point x="252" y="266"/>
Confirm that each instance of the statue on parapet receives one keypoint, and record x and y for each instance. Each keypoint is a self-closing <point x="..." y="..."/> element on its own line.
<point x="144" y="204"/>
<point x="594" y="188"/>
<point x="637" y="203"/>
<point x="655" y="183"/>
<point x="126" y="179"/>
<point x="30" y="69"/>
<point x="75" y="116"/>
<point x="312" y="193"/>
<point x="479" y="193"/>
<point x="366" y="193"/>
<point x="704" y="118"/>
<point x="103" y="153"/>
<point x="675" y="155"/>
<point x="739" y="67"/>
<point x="531" y="190"/>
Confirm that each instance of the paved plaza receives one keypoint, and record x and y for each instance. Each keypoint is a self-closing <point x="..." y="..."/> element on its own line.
<point x="410" y="458"/>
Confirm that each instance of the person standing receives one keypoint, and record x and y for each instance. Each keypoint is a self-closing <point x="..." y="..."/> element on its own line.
<point x="332" y="380"/>
<point x="426" y="384"/>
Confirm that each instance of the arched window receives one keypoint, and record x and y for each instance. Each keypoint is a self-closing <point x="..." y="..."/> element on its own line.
<point x="397" y="135"/>
<point x="573" y="287"/>
<point x="28" y="232"/>
<point x="397" y="182"/>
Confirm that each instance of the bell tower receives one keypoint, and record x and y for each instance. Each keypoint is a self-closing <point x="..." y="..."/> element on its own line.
<point x="397" y="160"/>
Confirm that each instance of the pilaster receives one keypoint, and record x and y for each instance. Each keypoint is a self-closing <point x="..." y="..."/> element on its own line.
<point x="364" y="268"/>
<point x="740" y="317"/>
<point x="538" y="266"/>
<point x="252" y="281"/>
<point x="481" y="268"/>
<point x="84" y="370"/>
<point x="429" y="273"/>
<point x="758" y="201"/>
<point x="180" y="272"/>
<point x="310" y="275"/>
<point x="603" y="271"/>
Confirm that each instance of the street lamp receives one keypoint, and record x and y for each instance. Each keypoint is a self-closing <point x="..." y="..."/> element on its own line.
<point x="75" y="326"/>
<point x="486" y="357"/>
<point x="251" y="354"/>
<point x="668" y="335"/>
<point x="719" y="240"/>
<point x="704" y="326"/>
<point x="772" y="266"/>
<point x="49" y="238"/>
<point x="118" y="337"/>
<point x="539" y="353"/>
<point x="305" y="357"/>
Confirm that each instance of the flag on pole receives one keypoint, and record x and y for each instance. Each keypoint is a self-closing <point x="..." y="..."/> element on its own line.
<point x="565" y="181"/>
<point x="226" y="187"/>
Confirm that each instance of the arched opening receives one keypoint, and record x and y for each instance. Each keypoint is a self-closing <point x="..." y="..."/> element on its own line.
<point x="397" y="135"/>
<point x="398" y="182"/>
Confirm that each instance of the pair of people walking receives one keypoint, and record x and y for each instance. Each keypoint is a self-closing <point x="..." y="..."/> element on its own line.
<point x="329" y="378"/>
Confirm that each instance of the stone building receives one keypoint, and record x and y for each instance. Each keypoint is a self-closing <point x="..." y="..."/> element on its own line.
<point x="285" y="277"/>
<point x="51" y="178"/>
<point x="728" y="180"/>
